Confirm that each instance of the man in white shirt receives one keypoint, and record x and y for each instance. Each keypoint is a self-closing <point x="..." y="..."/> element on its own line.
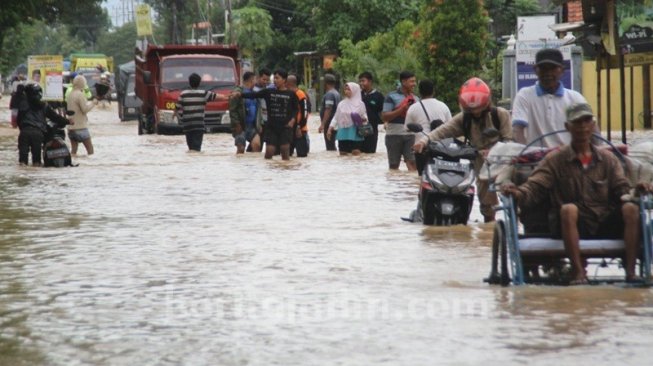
<point x="424" y="112"/>
<point x="428" y="109"/>
<point x="541" y="108"/>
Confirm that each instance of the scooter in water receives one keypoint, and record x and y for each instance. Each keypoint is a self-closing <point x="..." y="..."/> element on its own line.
<point x="447" y="190"/>
<point x="55" y="150"/>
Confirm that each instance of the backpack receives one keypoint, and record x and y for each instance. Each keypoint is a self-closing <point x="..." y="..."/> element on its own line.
<point x="467" y="122"/>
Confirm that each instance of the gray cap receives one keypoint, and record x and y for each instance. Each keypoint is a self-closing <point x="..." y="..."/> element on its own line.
<point x="578" y="111"/>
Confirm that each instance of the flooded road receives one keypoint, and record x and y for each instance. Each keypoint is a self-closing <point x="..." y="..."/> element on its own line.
<point x="148" y="255"/>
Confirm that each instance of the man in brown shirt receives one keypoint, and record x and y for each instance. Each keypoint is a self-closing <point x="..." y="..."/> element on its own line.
<point x="584" y="184"/>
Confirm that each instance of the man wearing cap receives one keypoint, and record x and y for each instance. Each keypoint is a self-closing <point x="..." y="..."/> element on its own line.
<point x="583" y="186"/>
<point x="540" y="109"/>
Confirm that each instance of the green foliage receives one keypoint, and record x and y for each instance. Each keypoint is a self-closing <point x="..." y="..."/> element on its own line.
<point x="252" y="30"/>
<point x="119" y="44"/>
<point x="293" y="31"/>
<point x="38" y="38"/>
<point x="384" y="54"/>
<point x="504" y="14"/>
<point x="504" y="22"/>
<point x="176" y="17"/>
<point x="16" y="41"/>
<point x="335" y="20"/>
<point x="87" y="21"/>
<point x="452" y="44"/>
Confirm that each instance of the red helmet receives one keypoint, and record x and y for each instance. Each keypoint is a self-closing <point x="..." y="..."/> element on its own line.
<point x="474" y="94"/>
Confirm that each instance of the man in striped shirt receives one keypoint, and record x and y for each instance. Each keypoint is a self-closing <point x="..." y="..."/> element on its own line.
<point x="190" y="109"/>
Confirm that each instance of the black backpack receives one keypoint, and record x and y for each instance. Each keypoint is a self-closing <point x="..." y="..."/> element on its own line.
<point x="467" y="122"/>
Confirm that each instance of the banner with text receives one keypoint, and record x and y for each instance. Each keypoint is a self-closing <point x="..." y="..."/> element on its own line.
<point x="47" y="71"/>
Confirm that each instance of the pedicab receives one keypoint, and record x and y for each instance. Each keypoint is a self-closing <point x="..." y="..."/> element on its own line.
<point x="532" y="256"/>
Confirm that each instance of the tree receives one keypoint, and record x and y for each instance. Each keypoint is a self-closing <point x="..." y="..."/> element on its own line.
<point x="335" y="20"/>
<point x="293" y="31"/>
<point x="176" y="16"/>
<point x="453" y="42"/>
<point x="251" y="29"/>
<point x="119" y="43"/>
<point x="504" y="22"/>
<point x="17" y="16"/>
<point x="88" y="21"/>
<point x="384" y="54"/>
<point x="504" y="14"/>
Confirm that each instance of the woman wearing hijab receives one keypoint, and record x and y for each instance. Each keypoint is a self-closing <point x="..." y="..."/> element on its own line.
<point x="350" y="114"/>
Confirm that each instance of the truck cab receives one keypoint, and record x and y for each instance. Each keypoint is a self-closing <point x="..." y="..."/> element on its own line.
<point x="163" y="73"/>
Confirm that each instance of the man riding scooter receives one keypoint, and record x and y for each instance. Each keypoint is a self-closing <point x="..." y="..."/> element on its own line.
<point x="476" y="116"/>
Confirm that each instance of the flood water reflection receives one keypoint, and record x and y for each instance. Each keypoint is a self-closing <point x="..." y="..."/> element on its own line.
<point x="146" y="254"/>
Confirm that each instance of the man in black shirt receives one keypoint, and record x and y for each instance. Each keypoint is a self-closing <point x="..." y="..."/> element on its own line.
<point x="282" y="108"/>
<point x="373" y="100"/>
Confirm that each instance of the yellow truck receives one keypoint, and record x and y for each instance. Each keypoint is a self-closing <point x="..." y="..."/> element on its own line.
<point x="89" y="62"/>
<point x="92" y="66"/>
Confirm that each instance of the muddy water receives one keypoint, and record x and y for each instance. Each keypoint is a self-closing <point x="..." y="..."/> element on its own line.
<point x="146" y="254"/>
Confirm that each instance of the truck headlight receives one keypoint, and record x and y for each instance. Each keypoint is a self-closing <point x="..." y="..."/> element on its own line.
<point x="167" y="116"/>
<point x="225" y="120"/>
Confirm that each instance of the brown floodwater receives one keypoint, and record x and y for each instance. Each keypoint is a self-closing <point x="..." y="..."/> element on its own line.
<point x="145" y="254"/>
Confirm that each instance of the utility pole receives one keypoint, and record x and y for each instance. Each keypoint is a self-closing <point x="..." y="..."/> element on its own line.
<point x="229" y="32"/>
<point x="208" y="16"/>
<point x="175" y="39"/>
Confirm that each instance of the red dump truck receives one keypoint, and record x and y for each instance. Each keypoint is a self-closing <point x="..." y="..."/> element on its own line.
<point x="162" y="73"/>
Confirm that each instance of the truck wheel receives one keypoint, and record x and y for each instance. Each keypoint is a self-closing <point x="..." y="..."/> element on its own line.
<point x="121" y="112"/>
<point x="139" y="124"/>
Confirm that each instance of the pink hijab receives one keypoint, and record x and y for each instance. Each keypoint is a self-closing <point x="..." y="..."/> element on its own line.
<point x="349" y="105"/>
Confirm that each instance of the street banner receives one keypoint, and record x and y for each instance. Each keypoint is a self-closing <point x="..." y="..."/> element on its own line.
<point x="525" y="58"/>
<point x="635" y="19"/>
<point x="143" y="20"/>
<point x="47" y="71"/>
